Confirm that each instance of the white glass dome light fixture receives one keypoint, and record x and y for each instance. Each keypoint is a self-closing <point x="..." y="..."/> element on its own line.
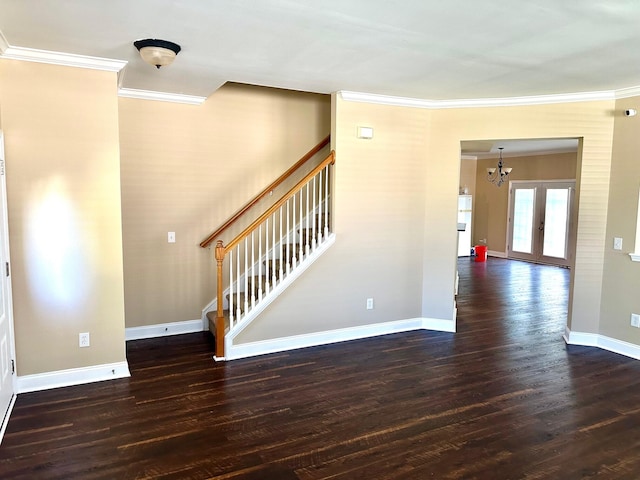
<point x="158" y="53"/>
<point x="498" y="175"/>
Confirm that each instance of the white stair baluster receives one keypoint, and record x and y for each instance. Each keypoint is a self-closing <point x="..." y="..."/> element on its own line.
<point x="238" y="310"/>
<point x="294" y="260"/>
<point x="267" y="281"/>
<point x="314" y="220"/>
<point x="326" y="201"/>
<point x="289" y="260"/>
<point x="319" y="217"/>
<point x="274" y="280"/>
<point x="230" y="288"/>
<point x="246" y="275"/>
<point x="306" y="242"/>
<point x="300" y="234"/>
<point x="282" y="249"/>
<point x="253" y="270"/>
<point x="260" y="262"/>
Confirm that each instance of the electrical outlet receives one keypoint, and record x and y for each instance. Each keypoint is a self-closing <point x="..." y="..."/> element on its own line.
<point x="171" y="237"/>
<point x="369" y="303"/>
<point x="635" y="320"/>
<point x="84" y="340"/>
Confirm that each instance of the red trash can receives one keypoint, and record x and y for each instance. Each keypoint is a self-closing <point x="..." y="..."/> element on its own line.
<point x="481" y="253"/>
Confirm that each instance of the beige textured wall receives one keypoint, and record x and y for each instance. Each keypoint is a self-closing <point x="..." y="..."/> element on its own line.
<point x="593" y="121"/>
<point x="186" y="169"/>
<point x="468" y="170"/>
<point x="379" y="193"/>
<point x="415" y="157"/>
<point x="621" y="280"/>
<point x="63" y="185"/>
<point x="492" y="203"/>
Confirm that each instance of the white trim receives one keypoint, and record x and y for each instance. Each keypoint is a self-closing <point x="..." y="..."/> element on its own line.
<point x="495" y="253"/>
<point x="476" y="102"/>
<point x="628" y="92"/>
<point x="635" y="257"/>
<point x="601" y="341"/>
<point x="65" y="59"/>
<point x="335" y="336"/>
<point x="72" y="376"/>
<point x="160" y="96"/>
<point x="5" y="420"/>
<point x="163" y="329"/>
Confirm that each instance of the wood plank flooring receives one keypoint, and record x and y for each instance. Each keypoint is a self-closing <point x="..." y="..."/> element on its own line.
<point x="504" y="398"/>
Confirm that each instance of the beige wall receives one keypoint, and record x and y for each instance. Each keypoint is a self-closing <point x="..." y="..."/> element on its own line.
<point x="492" y="203"/>
<point x="186" y="169"/>
<point x="591" y="121"/>
<point x="395" y="214"/>
<point x="381" y="229"/>
<point x="378" y="196"/>
<point x="414" y="158"/>
<point x="468" y="170"/>
<point x="63" y="186"/>
<point x="621" y="280"/>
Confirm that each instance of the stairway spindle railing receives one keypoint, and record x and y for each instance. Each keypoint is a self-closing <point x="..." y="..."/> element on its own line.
<point x="280" y="223"/>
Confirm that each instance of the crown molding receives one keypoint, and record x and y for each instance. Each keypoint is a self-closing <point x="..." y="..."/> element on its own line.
<point x="479" y="102"/>
<point x="628" y="92"/>
<point x="160" y="96"/>
<point x="64" y="59"/>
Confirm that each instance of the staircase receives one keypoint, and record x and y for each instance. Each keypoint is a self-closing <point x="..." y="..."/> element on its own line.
<point x="266" y="257"/>
<point x="274" y="271"/>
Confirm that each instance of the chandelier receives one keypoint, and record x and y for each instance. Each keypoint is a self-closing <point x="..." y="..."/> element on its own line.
<point x="498" y="175"/>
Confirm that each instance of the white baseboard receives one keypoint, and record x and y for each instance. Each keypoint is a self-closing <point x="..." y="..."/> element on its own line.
<point x="334" y="336"/>
<point x="494" y="253"/>
<point x="601" y="341"/>
<point x="72" y="376"/>
<point x="164" y="329"/>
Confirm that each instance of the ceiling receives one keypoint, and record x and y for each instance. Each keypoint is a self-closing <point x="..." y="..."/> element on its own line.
<point x="423" y="49"/>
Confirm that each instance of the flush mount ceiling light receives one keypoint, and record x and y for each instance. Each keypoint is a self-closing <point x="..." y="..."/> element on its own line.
<point x="497" y="176"/>
<point x="157" y="52"/>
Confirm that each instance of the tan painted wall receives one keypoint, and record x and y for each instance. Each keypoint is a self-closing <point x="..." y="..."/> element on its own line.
<point x="415" y="157"/>
<point x="621" y="280"/>
<point x="379" y="193"/>
<point x="593" y="121"/>
<point x="63" y="185"/>
<point x="492" y="203"/>
<point x="468" y="170"/>
<point x="186" y="169"/>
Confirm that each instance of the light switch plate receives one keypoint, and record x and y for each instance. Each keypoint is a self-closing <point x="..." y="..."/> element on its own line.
<point x="617" y="243"/>
<point x="171" y="237"/>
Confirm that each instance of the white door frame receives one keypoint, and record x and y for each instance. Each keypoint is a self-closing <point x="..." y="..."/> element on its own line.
<point x="4" y="416"/>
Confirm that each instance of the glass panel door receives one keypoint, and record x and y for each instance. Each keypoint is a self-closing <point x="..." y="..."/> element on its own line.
<point x="556" y="215"/>
<point x="523" y="210"/>
<point x="540" y="221"/>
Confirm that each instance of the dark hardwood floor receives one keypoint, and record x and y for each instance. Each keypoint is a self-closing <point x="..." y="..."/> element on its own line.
<point x="504" y="398"/>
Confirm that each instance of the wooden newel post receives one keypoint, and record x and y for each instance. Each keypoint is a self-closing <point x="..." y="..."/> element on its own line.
<point x="220" y="253"/>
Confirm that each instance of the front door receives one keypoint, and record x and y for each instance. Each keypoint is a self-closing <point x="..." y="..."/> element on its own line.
<point x="540" y="221"/>
<point x="7" y="390"/>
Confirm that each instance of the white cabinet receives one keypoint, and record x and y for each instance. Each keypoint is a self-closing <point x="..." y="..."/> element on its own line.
<point x="465" y="203"/>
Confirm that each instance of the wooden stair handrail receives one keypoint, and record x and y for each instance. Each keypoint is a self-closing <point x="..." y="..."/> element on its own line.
<point x="327" y="161"/>
<point x="323" y="143"/>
